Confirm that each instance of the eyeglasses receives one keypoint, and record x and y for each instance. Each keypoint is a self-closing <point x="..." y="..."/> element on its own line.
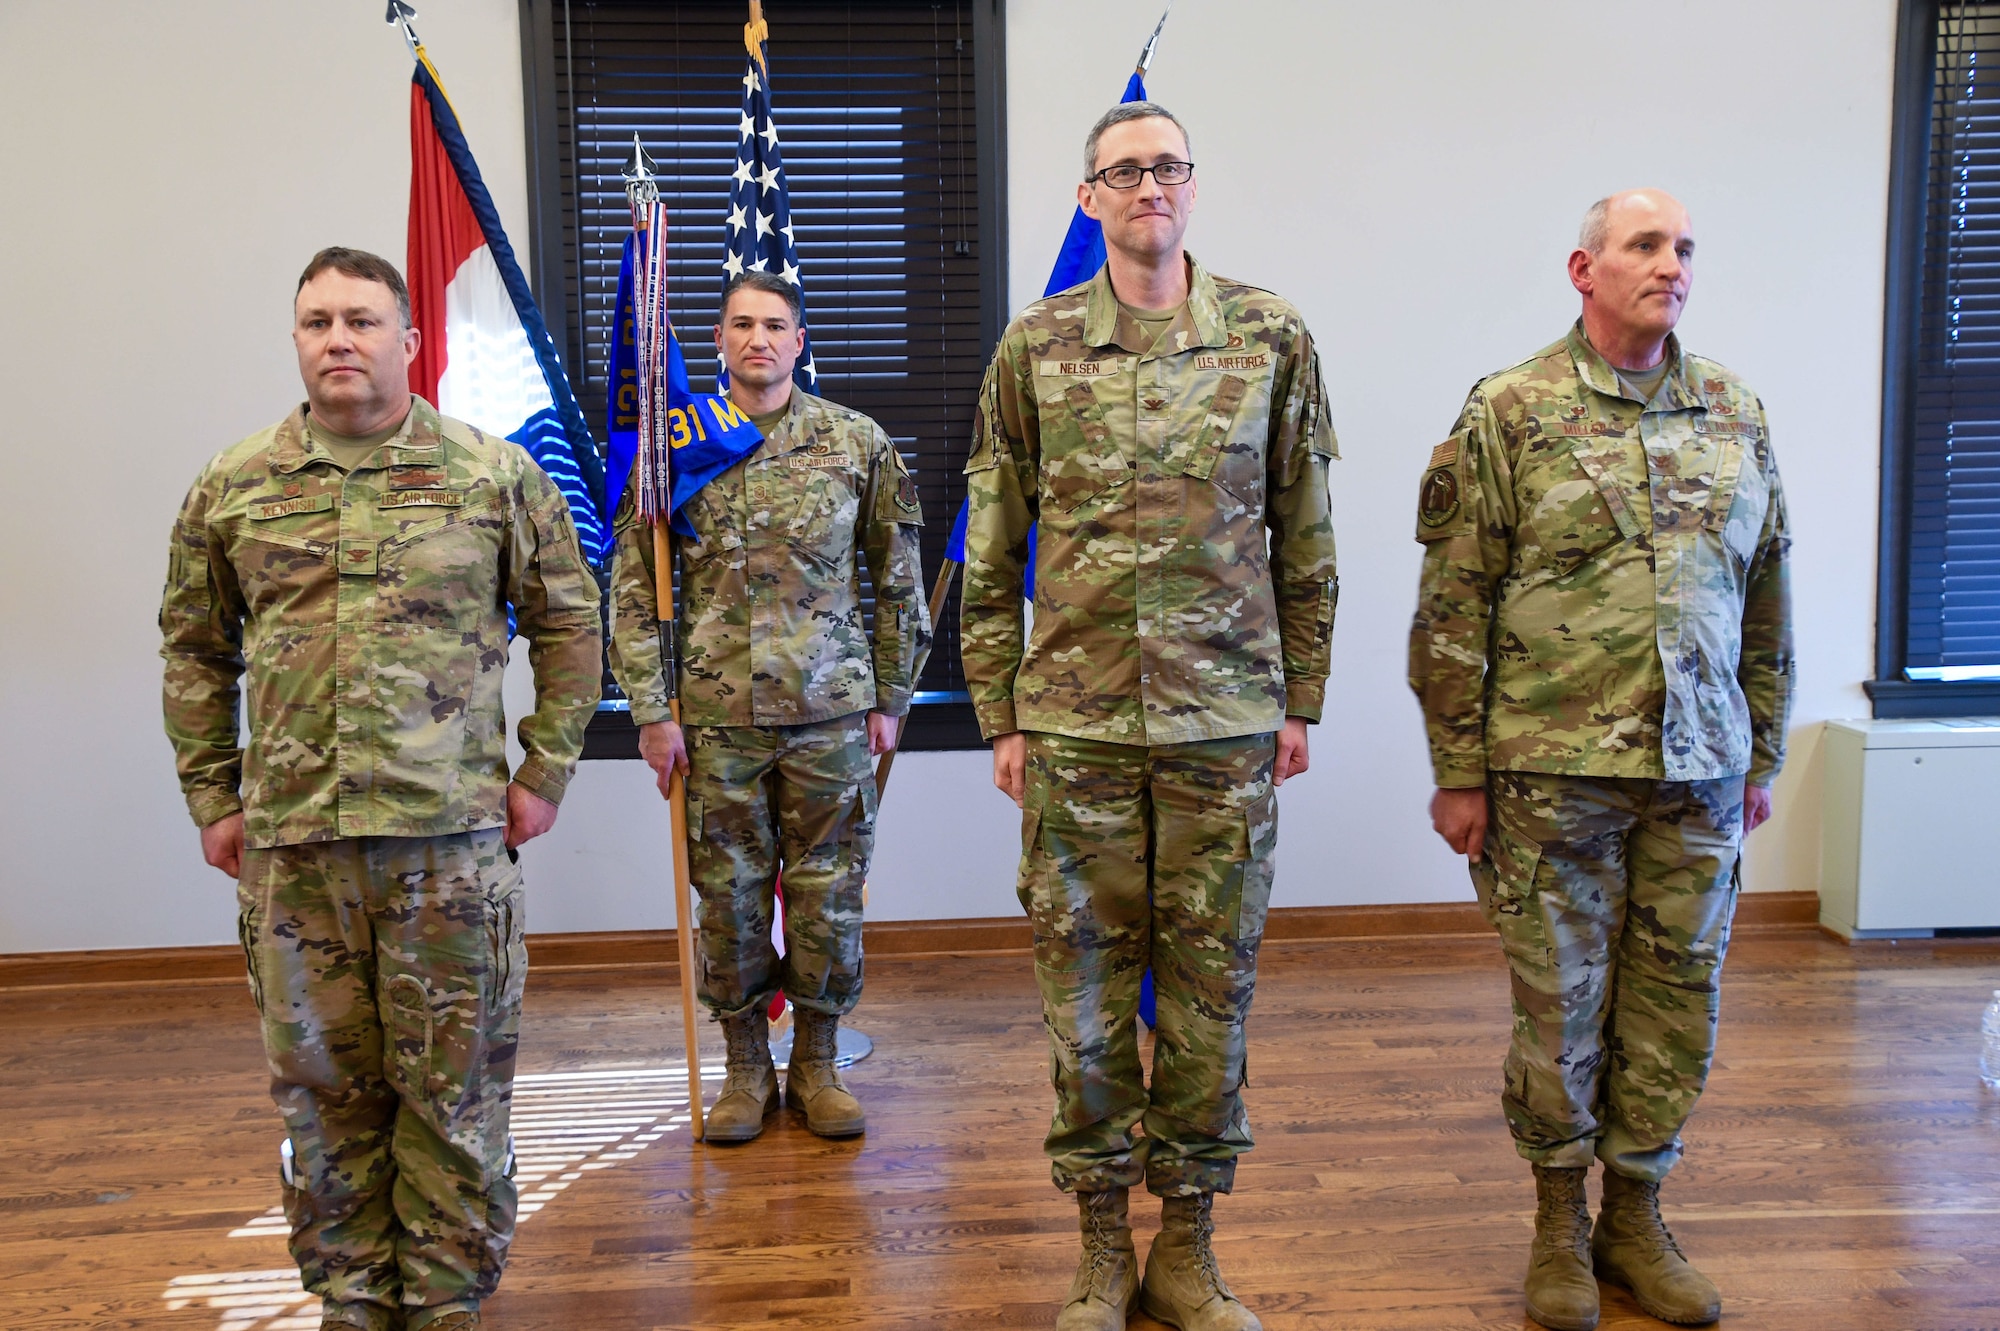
<point x="1165" y="173"/>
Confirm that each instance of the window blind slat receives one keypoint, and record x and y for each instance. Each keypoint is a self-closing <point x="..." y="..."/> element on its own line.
<point x="1953" y="616"/>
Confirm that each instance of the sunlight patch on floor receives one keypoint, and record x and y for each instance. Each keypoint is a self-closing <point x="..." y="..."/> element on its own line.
<point x="565" y="1125"/>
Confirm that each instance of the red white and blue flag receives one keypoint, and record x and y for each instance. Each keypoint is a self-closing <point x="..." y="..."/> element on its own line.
<point x="757" y="235"/>
<point x="486" y="357"/>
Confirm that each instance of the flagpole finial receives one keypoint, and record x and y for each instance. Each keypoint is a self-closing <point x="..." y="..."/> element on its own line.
<point x="754" y="34"/>
<point x="400" y="14"/>
<point x="1153" y="42"/>
<point x="642" y="185"/>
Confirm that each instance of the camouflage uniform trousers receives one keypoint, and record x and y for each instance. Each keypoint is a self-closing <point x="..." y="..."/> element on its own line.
<point x="762" y="798"/>
<point x="388" y="971"/>
<point x="1613" y="898"/>
<point x="1135" y="856"/>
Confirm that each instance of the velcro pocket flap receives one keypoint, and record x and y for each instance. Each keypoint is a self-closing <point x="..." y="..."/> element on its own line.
<point x="1597" y="467"/>
<point x="1216" y="424"/>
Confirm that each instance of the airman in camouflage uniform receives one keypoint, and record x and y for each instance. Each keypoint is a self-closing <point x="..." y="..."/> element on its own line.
<point x="1603" y="651"/>
<point x="784" y="695"/>
<point x="360" y="586"/>
<point x="1184" y="596"/>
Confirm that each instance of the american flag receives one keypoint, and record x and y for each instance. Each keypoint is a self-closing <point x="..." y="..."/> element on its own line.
<point x="758" y="236"/>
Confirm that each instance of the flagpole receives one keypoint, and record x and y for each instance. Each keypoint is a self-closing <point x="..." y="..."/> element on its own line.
<point x="655" y="493"/>
<point x="939" y="592"/>
<point x="677" y="819"/>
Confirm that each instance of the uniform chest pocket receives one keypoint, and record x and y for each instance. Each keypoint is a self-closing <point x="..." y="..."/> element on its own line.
<point x="1079" y="458"/>
<point x="1741" y="501"/>
<point x="278" y="566"/>
<point x="822" y="525"/>
<point x="1580" y="513"/>
<point x="1222" y="451"/>
<point x="714" y="533"/>
<point x="439" y="568"/>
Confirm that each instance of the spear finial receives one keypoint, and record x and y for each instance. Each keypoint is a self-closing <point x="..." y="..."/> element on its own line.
<point x="642" y="186"/>
<point x="639" y="172"/>
<point x="400" y="14"/>
<point x="1146" y="56"/>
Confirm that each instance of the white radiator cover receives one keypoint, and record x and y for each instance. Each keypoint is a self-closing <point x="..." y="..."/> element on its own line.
<point x="1910" y="841"/>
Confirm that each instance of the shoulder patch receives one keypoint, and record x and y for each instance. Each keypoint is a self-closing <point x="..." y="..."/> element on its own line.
<point x="1441" y="507"/>
<point x="1438" y="502"/>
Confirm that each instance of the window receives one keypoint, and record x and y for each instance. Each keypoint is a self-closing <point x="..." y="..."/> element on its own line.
<point x="889" y="113"/>
<point x="1938" y="624"/>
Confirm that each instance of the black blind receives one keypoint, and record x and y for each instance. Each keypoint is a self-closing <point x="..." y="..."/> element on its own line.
<point x="874" y="103"/>
<point x="1953" y="619"/>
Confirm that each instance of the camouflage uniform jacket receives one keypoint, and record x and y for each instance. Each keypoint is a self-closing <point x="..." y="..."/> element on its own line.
<point x="770" y="590"/>
<point x="1604" y="589"/>
<point x="1184" y="562"/>
<point x="369" y="611"/>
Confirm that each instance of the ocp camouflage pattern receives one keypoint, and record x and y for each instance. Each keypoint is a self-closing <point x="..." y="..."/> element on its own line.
<point x="1613" y="898"/>
<point x="388" y="974"/>
<point x="759" y="797"/>
<point x="1184" y="562"/>
<point x="770" y="626"/>
<point x="1135" y="857"/>
<point x="366" y="615"/>
<point x="1605" y="587"/>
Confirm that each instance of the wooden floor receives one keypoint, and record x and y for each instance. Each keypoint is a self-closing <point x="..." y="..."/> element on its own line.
<point x="1842" y="1173"/>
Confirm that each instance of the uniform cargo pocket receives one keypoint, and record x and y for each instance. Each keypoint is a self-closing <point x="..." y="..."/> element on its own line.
<point x="1030" y="867"/>
<point x="406" y="1017"/>
<point x="246" y="933"/>
<point x="508" y="938"/>
<point x="1505" y="880"/>
<point x="1253" y="905"/>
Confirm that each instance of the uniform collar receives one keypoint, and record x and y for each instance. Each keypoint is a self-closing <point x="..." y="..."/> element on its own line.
<point x="1105" y="323"/>
<point x="792" y="430"/>
<point x="418" y="441"/>
<point x="1676" y="391"/>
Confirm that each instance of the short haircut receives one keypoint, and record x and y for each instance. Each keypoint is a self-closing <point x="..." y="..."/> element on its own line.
<point x="359" y="263"/>
<point x="1118" y="115"/>
<point x="1596" y="228"/>
<point x="771" y="282"/>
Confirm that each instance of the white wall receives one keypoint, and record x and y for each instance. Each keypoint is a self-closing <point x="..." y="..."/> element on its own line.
<point x="1412" y="177"/>
<point x="168" y="170"/>
<point x="1409" y="175"/>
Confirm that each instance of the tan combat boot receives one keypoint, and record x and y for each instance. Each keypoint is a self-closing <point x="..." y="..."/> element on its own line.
<point x="1107" y="1276"/>
<point x="358" y="1317"/>
<point x="750" y="1093"/>
<point x="461" y="1320"/>
<point x="1183" y="1288"/>
<point x="1562" y="1293"/>
<point x="812" y="1086"/>
<point x="1632" y="1248"/>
